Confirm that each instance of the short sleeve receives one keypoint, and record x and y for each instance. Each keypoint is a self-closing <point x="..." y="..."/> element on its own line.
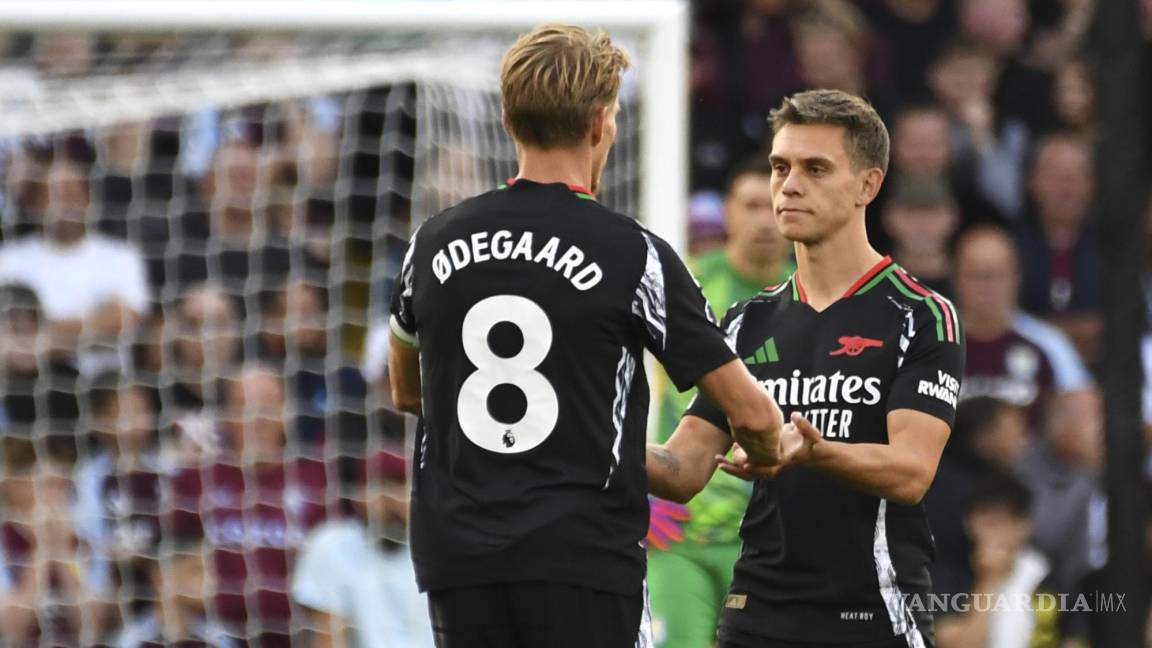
<point x="403" y="319"/>
<point x="929" y="370"/>
<point x="678" y="325"/>
<point x="700" y="406"/>
<point x="314" y="581"/>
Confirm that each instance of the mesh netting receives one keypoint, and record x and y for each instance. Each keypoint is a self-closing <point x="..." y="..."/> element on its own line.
<point x="199" y="236"/>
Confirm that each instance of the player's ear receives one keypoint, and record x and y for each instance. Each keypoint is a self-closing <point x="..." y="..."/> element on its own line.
<point x="599" y="122"/>
<point x="869" y="186"/>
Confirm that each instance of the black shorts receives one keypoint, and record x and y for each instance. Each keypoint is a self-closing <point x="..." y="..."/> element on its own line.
<point x="538" y="615"/>
<point x="733" y="638"/>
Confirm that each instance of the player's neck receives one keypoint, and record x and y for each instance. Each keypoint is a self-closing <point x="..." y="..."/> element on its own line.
<point x="827" y="269"/>
<point x="570" y="166"/>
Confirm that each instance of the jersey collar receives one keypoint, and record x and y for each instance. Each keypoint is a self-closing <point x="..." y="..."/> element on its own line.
<point x="884" y="266"/>
<point x="579" y="190"/>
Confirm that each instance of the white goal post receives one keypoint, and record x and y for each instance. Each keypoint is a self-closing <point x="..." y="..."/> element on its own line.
<point x="662" y="25"/>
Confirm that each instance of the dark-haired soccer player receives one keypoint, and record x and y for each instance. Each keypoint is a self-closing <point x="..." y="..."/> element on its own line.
<point x="519" y="321"/>
<point x="866" y="362"/>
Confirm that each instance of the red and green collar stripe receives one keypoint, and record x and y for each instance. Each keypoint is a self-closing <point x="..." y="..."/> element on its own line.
<point x="579" y="190"/>
<point x="947" y="323"/>
<point x="866" y="282"/>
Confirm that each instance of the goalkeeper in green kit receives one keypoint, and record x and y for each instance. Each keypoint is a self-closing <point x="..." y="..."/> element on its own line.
<point x="692" y="549"/>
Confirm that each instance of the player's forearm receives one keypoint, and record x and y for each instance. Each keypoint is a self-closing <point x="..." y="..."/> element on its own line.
<point x="682" y="467"/>
<point x="882" y="470"/>
<point x="664" y="473"/>
<point x="674" y="477"/>
<point x="755" y="419"/>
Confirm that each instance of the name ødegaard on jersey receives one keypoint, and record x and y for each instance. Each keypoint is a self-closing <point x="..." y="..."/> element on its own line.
<point x="481" y="247"/>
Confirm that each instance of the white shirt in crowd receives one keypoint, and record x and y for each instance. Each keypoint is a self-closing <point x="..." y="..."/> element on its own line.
<point x="342" y="571"/>
<point x="73" y="281"/>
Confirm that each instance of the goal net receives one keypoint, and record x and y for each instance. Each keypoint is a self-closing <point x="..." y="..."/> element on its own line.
<point x="201" y="214"/>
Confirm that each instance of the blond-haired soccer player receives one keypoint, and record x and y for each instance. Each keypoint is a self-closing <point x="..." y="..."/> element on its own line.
<point x="519" y="320"/>
<point x="866" y="362"/>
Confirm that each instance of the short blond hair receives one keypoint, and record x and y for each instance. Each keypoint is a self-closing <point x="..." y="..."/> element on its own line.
<point x="554" y="79"/>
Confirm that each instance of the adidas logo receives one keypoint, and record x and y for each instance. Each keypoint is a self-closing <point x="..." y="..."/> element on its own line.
<point x="765" y="354"/>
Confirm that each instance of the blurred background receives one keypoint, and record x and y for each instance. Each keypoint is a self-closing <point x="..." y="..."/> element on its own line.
<point x="199" y="232"/>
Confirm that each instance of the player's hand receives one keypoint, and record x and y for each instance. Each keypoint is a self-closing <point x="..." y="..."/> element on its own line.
<point x="798" y="442"/>
<point x="665" y="522"/>
<point x="743" y="467"/>
<point x="799" y="446"/>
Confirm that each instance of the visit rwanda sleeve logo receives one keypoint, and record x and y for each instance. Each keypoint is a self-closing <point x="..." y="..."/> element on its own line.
<point x="765" y="354"/>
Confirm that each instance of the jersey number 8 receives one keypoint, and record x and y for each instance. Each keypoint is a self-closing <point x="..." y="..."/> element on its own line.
<point x="519" y="370"/>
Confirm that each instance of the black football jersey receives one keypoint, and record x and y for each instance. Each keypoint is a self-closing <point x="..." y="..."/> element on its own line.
<point x="531" y="306"/>
<point x="822" y="561"/>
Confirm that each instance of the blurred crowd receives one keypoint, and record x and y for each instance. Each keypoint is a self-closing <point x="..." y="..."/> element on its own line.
<point x="195" y="444"/>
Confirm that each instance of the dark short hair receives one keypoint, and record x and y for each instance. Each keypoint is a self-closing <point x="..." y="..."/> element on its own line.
<point x="756" y="165"/>
<point x="866" y="137"/>
<point x="1001" y="489"/>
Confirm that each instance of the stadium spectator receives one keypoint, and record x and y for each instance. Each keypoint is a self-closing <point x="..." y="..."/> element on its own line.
<point x="228" y="238"/>
<point x="921" y="142"/>
<point x="689" y="575"/>
<point x="1011" y="355"/>
<point x="833" y="43"/>
<point x="743" y="62"/>
<point x="921" y="217"/>
<point x="1061" y="470"/>
<point x="1059" y="253"/>
<point x="1001" y="28"/>
<point x="311" y="233"/>
<point x="1074" y="98"/>
<point x="117" y="479"/>
<point x="910" y="34"/>
<point x="922" y="148"/>
<point x="989" y="147"/>
<point x="254" y="507"/>
<point x="181" y="583"/>
<point x="355" y="574"/>
<point x="38" y="387"/>
<point x="999" y="519"/>
<point x="203" y="329"/>
<point x="54" y="589"/>
<point x="990" y="435"/>
<point x="328" y="390"/>
<point x="25" y="194"/>
<point x="92" y="289"/>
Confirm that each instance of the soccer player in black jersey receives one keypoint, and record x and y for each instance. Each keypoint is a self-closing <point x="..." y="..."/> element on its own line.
<point x="865" y="362"/>
<point x="519" y="321"/>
